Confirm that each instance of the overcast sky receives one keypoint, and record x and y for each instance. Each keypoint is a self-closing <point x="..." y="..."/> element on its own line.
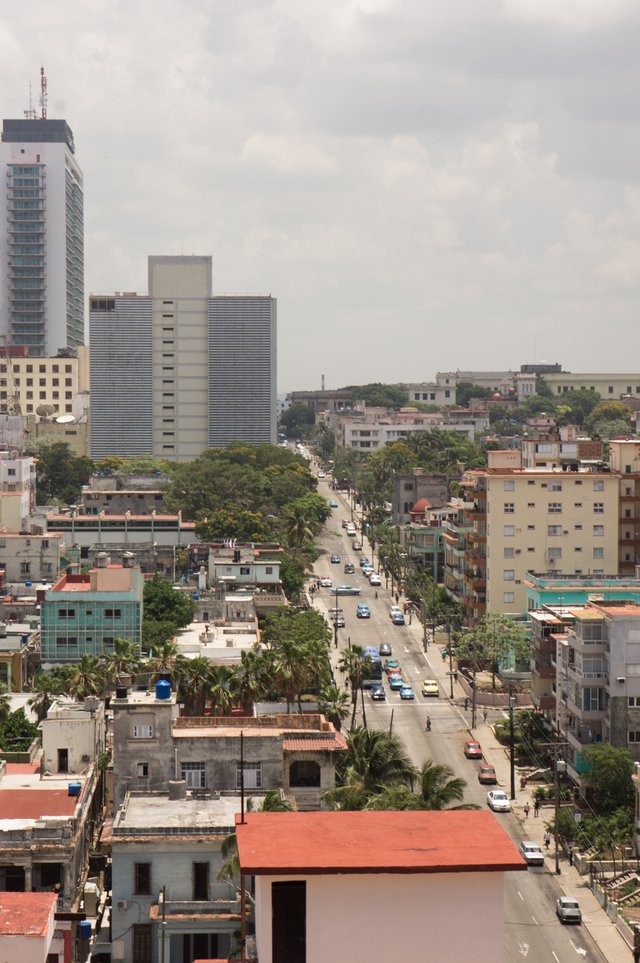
<point x="423" y="184"/>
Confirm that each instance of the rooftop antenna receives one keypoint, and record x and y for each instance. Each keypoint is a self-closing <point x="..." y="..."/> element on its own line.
<point x="43" y="95"/>
<point x="30" y="114"/>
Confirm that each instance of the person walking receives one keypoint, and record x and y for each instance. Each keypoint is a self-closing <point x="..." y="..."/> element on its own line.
<point x="484" y="716"/>
<point x="427" y="725"/>
<point x="536" y="807"/>
<point x="547" y="840"/>
<point x="523" y="782"/>
<point x="526" y="810"/>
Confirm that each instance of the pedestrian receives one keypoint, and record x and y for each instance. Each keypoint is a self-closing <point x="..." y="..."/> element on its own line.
<point x="428" y="724"/>
<point x="484" y="716"/>
<point x="571" y="857"/>
<point x="536" y="807"/>
<point x="466" y="703"/>
<point x="523" y="781"/>
<point x="444" y="655"/>
<point x="376" y="593"/>
<point x="526" y="810"/>
<point x="397" y="598"/>
<point x="547" y="840"/>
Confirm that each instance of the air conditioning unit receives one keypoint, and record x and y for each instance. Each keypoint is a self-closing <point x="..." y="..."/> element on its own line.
<point x="86" y="759"/>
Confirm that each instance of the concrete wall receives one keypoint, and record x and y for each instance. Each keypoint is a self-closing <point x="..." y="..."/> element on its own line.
<point x="26" y="949"/>
<point x="455" y="916"/>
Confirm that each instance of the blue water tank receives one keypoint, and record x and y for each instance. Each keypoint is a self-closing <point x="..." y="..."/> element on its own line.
<point x="196" y="597"/>
<point x="74" y="788"/>
<point x="85" y="930"/>
<point x="163" y="689"/>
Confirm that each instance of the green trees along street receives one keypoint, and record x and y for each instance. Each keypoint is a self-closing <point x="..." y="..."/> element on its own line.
<point x="494" y="643"/>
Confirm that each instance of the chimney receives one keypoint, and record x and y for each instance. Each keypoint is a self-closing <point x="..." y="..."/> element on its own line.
<point x="102" y="560"/>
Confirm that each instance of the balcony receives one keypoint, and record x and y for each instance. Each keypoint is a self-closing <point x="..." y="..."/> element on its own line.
<point x="197" y="909"/>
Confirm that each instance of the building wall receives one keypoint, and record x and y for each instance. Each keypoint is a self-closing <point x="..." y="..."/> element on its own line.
<point x="27" y="949"/>
<point x="131" y="749"/>
<point x="180" y="288"/>
<point x="425" y="909"/>
<point x="30" y="558"/>
<point x="609" y="386"/>
<point x="40" y="381"/>
<point x="78" y="730"/>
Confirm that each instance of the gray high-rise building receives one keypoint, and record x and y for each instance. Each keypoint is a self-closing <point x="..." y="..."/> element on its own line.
<point x="200" y="369"/>
<point x="41" y="237"/>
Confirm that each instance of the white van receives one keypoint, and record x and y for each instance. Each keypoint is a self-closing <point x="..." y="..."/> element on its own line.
<point x="351" y="530"/>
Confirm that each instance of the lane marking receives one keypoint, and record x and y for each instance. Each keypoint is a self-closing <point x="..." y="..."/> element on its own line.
<point x="579" y="949"/>
<point x="534" y="920"/>
<point x="524" y="948"/>
<point x="554" y="956"/>
<point x="520" y="895"/>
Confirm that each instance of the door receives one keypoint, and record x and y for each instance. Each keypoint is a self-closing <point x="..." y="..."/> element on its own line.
<point x="141" y="943"/>
<point x="63" y="760"/>
<point x="201" y="881"/>
<point x="289" y="922"/>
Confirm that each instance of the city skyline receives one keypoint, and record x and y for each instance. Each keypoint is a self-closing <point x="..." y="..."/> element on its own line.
<point x="423" y="188"/>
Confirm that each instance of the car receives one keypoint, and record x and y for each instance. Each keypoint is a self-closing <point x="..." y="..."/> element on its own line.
<point x="346" y="590"/>
<point x="363" y="611"/>
<point x="335" y="559"/>
<point x="367" y="566"/>
<point x="344" y="523"/>
<point x="397" y="618"/>
<point x="393" y="674"/>
<point x="385" y="648"/>
<point x="378" y="694"/>
<point x="430" y="687"/>
<point x="349" y="568"/>
<point x="472" y="749"/>
<point x="375" y="579"/>
<point x="498" y="801"/>
<point x="320" y="474"/>
<point x="351" y="529"/>
<point x="357" y="546"/>
<point x="406" y="692"/>
<point x="333" y="503"/>
<point x="531" y="853"/>
<point x="396" y="682"/>
<point x="487" y="776"/>
<point x="326" y="581"/>
<point x="337" y="617"/>
<point x="394" y="608"/>
<point x="568" y="909"/>
<point x="391" y="664"/>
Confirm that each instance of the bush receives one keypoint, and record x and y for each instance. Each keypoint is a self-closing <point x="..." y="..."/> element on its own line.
<point x="17" y="733"/>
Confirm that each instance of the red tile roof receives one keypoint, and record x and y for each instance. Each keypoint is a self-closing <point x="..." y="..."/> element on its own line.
<point x="35" y="803"/>
<point x="328" y="744"/>
<point x="26" y="914"/>
<point x="317" y="843"/>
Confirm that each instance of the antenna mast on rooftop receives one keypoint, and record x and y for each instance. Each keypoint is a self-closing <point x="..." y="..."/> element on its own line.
<point x="43" y="95"/>
<point x="30" y="114"/>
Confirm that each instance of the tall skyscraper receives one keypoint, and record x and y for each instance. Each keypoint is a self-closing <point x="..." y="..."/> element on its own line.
<point x="41" y="237"/>
<point x="180" y="370"/>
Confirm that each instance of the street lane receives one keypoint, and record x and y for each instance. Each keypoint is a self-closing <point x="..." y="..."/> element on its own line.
<point x="532" y="930"/>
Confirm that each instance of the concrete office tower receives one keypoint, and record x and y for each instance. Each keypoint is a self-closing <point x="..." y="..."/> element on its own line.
<point x="178" y="371"/>
<point x="242" y="370"/>
<point x="41" y="237"/>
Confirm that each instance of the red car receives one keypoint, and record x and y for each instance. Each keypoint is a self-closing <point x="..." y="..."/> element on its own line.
<point x="472" y="749"/>
<point x="487" y="775"/>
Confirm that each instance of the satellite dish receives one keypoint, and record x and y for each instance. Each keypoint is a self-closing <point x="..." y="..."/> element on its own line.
<point x="45" y="410"/>
<point x="65" y="419"/>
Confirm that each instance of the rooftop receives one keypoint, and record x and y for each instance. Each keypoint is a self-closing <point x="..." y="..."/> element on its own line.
<point x="26" y="914"/>
<point x="147" y="814"/>
<point x="319" y="843"/>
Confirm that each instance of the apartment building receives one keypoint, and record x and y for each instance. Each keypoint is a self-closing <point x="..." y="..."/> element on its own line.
<point x="375" y="428"/>
<point x="624" y="459"/>
<point x="512" y="521"/>
<point x="563" y="448"/>
<point x="30" y="558"/>
<point x="17" y="490"/>
<point x="45" y="387"/>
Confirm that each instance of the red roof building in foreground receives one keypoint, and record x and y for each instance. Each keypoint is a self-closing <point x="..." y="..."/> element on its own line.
<point x="321" y="878"/>
<point x="26" y="925"/>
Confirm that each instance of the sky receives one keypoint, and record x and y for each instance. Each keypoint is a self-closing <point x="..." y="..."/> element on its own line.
<point x="424" y="186"/>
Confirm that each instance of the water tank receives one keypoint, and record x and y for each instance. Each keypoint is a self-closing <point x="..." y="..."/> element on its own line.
<point x="74" y="788"/>
<point x="84" y="930"/>
<point x="121" y="692"/>
<point x="163" y="689"/>
<point x="128" y="559"/>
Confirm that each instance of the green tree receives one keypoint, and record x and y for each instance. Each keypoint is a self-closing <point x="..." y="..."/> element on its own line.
<point x="378" y="395"/>
<point x="163" y="603"/>
<point x="124" y="660"/>
<point x="86" y="678"/>
<point x="609" y="411"/>
<point x="233" y="522"/>
<point x="333" y="703"/>
<point x="609" y="777"/>
<point x="352" y="664"/>
<point x="466" y="390"/>
<point x="194" y="678"/>
<point x="61" y="474"/>
<point x="155" y="633"/>
<point x="162" y="657"/>
<point x="46" y="686"/>
<point x="296" y="419"/>
<point x="16" y="732"/>
<point x="5" y="704"/>
<point x="374" y="761"/>
<point x="494" y="642"/>
<point x="439" y="788"/>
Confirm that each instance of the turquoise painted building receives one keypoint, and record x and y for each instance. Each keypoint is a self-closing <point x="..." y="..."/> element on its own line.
<point x="85" y="614"/>
<point x="566" y="590"/>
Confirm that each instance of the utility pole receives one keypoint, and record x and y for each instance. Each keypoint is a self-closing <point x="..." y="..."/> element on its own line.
<point x="559" y="766"/>
<point x="512" y="761"/>
<point x="473" y="701"/>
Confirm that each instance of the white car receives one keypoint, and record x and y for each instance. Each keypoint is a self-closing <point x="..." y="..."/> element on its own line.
<point x="394" y="610"/>
<point x="531" y="853"/>
<point x="568" y="909"/>
<point x="326" y="581"/>
<point x="498" y="801"/>
<point x="374" y="579"/>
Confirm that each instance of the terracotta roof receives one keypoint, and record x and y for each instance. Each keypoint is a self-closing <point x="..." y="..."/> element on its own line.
<point x="328" y="743"/>
<point x="420" y="506"/>
<point x="26" y="914"/>
<point x="319" y="843"/>
<point x="35" y="803"/>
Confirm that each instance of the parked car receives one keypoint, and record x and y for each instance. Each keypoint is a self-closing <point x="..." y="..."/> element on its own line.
<point x="357" y="546"/>
<point x="472" y="749"/>
<point x="335" y="559"/>
<point x="349" y="568"/>
<point x="378" y="694"/>
<point x="326" y="581"/>
<point x="487" y="776"/>
<point x="396" y="682"/>
<point x="531" y="853"/>
<point x="337" y="617"/>
<point x="385" y="648"/>
<point x="363" y="611"/>
<point x="374" y="579"/>
<point x="430" y="687"/>
<point x="344" y="523"/>
<point x="346" y="590"/>
<point x="568" y="909"/>
<point x="394" y="608"/>
<point x="498" y="801"/>
<point x="397" y="618"/>
<point x="406" y="692"/>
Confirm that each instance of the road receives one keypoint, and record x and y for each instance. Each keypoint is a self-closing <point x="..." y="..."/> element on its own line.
<point x="532" y="931"/>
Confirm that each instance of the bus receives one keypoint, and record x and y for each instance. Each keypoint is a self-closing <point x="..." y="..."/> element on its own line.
<point x="372" y="667"/>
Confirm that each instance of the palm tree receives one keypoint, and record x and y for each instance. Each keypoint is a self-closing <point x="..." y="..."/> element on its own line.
<point x="290" y="670"/>
<point x="374" y="761"/>
<point x="162" y="656"/>
<point x="86" y="678"/>
<point x="46" y="686"/>
<point x="249" y="683"/>
<point x="220" y="689"/>
<point x="352" y="664"/>
<point x="298" y="528"/>
<point x="124" y="660"/>
<point x="333" y="703"/>
<point x="437" y="789"/>
<point x="194" y="677"/>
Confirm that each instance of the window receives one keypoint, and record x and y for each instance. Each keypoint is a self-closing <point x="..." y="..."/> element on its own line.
<point x="142" y="943"/>
<point x="508" y="598"/>
<point x="554" y="530"/>
<point x="598" y="531"/>
<point x="194" y="774"/>
<point x="555" y="486"/>
<point x="66" y="613"/>
<point x="142" y="879"/>
<point x="268" y="570"/>
<point x="598" y="508"/>
<point x="531" y="528"/>
<point x="509" y="531"/>
<point x="509" y="552"/>
<point x="531" y="504"/>
<point x="555" y="508"/>
<point x="509" y="508"/>
<point x="245" y="570"/>
<point x="201" y="881"/>
<point x="508" y="575"/>
<point x="633" y="702"/>
<point x="143" y="770"/>
<point x="113" y="613"/>
<point x="598" y="485"/>
<point x="578" y="528"/>
<point x="598" y="552"/>
<point x="25" y="568"/>
<point x="633" y="735"/>
<point x="143" y="731"/>
<point x="554" y="553"/>
<point x="577" y="504"/>
<point x="509" y="485"/>
<point x="252" y="775"/>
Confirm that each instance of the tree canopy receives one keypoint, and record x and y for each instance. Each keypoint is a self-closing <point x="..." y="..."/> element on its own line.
<point x="609" y="777"/>
<point x="378" y="395"/>
<point x="296" y="419"/>
<point x="60" y="474"/>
